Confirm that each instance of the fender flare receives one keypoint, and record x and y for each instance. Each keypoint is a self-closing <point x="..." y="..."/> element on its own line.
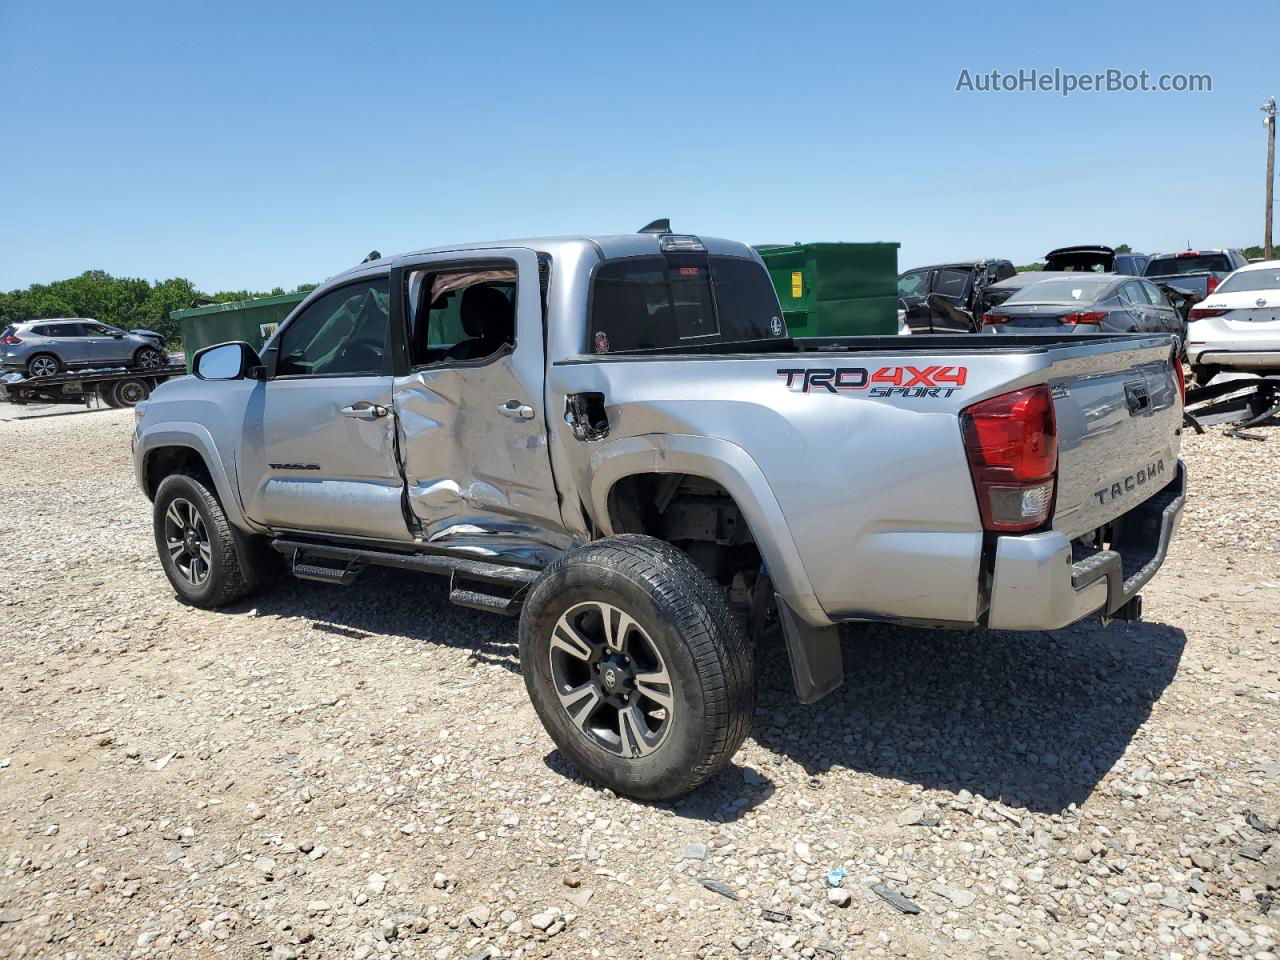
<point x="733" y="468"/>
<point x="195" y="437"/>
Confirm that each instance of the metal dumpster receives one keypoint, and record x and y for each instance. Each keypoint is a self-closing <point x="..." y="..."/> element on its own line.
<point x="252" y="321"/>
<point x="836" y="289"/>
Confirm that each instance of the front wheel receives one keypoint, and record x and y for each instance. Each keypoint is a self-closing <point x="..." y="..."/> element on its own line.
<point x="196" y="543"/>
<point x="149" y="358"/>
<point x="637" y="667"/>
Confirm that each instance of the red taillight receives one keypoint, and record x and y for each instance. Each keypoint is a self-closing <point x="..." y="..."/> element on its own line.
<point x="993" y="318"/>
<point x="1200" y="313"/>
<point x="1188" y="253"/>
<point x="11" y="340"/>
<point x="1211" y="284"/>
<point x="1182" y="379"/>
<point x="1094" y="317"/>
<point x="1012" y="445"/>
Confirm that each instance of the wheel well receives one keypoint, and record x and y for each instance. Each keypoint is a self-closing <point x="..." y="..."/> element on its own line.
<point x="166" y="460"/>
<point x="694" y="513"/>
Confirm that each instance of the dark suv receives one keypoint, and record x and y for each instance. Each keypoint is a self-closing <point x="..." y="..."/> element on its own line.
<point x="42" y="348"/>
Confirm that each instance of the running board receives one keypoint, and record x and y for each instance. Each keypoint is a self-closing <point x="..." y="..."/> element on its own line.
<point x="515" y="579"/>
<point x="488" y="602"/>
<point x="338" y="577"/>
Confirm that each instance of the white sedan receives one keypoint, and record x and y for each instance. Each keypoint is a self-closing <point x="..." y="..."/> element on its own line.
<point x="1237" y="327"/>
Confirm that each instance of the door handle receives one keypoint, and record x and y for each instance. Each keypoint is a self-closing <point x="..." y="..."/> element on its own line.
<point x="516" y="410"/>
<point x="364" y="410"/>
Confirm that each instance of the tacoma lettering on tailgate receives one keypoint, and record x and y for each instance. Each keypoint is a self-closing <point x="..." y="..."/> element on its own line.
<point x="1131" y="482"/>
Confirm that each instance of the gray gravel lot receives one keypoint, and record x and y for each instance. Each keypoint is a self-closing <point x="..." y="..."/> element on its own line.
<point x="357" y="773"/>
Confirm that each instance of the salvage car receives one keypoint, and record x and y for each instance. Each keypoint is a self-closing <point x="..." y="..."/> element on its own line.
<point x="1087" y="303"/>
<point x="615" y="439"/>
<point x="958" y="284"/>
<point x="1094" y="258"/>
<point x="1237" y="327"/>
<point x="44" y="348"/>
<point x="1199" y="271"/>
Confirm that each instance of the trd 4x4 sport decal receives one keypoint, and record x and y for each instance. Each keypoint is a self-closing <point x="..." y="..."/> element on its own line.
<point x="938" y="381"/>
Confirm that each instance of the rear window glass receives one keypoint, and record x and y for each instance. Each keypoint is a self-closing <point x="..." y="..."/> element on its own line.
<point x="1201" y="263"/>
<point x="1080" y="261"/>
<point x="1268" y="279"/>
<point x="687" y="299"/>
<point x="1080" y="290"/>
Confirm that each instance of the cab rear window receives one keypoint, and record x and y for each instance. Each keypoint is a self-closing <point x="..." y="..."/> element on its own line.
<point x="681" y="300"/>
<point x="1201" y="263"/>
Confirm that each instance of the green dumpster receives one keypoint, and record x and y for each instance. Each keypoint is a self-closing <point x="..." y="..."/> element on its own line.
<point x="836" y="289"/>
<point x="252" y="321"/>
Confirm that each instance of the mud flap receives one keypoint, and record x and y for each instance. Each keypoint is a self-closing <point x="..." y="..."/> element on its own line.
<point x="817" y="667"/>
<point x="258" y="562"/>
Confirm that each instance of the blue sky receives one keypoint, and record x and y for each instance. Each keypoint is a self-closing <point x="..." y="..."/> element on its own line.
<point x="263" y="144"/>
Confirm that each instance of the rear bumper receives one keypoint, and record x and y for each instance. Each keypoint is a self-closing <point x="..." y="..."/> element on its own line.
<point x="1043" y="581"/>
<point x="1208" y="355"/>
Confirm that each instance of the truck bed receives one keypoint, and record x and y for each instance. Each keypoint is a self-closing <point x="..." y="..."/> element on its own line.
<point x="859" y="440"/>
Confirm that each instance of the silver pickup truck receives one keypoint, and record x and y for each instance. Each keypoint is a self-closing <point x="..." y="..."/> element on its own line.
<point x="615" y="439"/>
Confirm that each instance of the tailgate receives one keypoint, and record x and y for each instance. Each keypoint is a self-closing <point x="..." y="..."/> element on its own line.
<point x="1119" y="419"/>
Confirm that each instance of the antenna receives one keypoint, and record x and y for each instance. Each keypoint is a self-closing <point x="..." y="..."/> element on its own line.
<point x="657" y="226"/>
<point x="373" y="255"/>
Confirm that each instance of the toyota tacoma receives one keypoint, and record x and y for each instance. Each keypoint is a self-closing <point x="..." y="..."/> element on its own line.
<point x="615" y="439"/>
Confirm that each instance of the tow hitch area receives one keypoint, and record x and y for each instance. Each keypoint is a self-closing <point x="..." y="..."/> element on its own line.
<point x="1239" y="403"/>
<point x="1132" y="610"/>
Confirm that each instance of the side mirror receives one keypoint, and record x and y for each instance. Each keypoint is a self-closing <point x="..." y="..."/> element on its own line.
<point x="225" y="361"/>
<point x="117" y="336"/>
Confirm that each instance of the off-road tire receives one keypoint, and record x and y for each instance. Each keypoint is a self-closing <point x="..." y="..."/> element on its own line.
<point x="226" y="582"/>
<point x="687" y="618"/>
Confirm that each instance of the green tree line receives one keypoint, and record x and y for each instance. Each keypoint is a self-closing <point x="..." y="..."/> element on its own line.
<point x="125" y="302"/>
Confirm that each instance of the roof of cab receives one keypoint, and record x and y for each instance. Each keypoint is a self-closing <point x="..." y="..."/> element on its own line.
<point x="607" y="247"/>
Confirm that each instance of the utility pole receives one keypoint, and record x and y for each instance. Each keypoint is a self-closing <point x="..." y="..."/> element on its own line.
<point x="1269" y="108"/>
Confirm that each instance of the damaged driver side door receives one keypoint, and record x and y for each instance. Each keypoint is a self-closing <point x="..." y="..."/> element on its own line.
<point x="470" y="410"/>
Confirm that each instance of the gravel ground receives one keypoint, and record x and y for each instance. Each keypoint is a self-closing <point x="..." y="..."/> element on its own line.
<point x="328" y="773"/>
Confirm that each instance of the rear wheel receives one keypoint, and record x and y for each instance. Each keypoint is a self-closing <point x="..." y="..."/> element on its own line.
<point x="149" y="358"/>
<point x="636" y="666"/>
<point x="196" y="543"/>
<point x="130" y="393"/>
<point x="43" y="365"/>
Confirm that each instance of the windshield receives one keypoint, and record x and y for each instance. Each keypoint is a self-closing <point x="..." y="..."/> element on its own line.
<point x="1268" y="279"/>
<point x="1076" y="290"/>
<point x="1196" y="263"/>
<point x="686" y="299"/>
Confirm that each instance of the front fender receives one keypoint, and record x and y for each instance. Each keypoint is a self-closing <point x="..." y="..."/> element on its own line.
<point x="728" y="465"/>
<point x="195" y="436"/>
